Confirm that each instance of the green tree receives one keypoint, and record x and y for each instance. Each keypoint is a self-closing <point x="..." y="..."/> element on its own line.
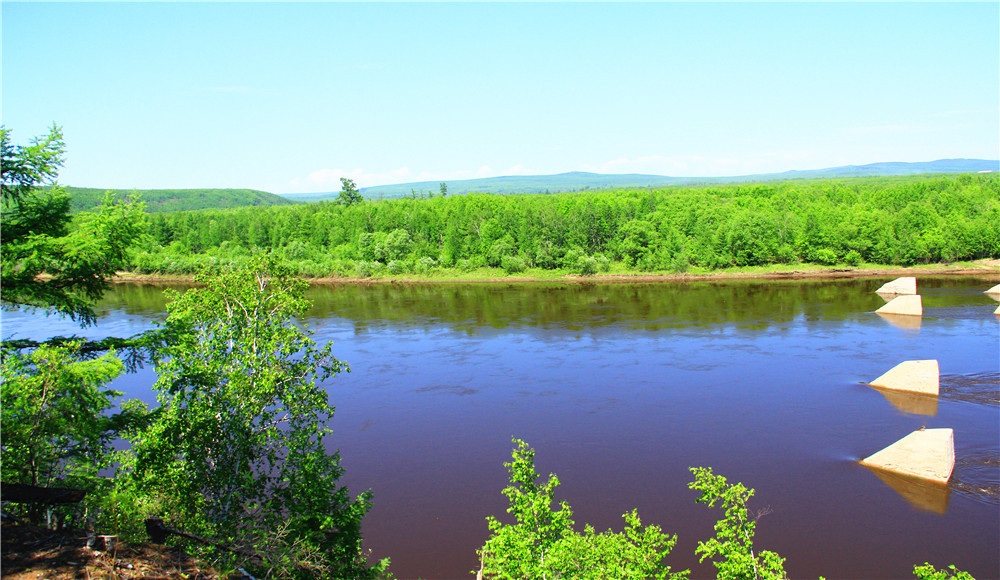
<point x="55" y="429"/>
<point x="46" y="263"/>
<point x="52" y="408"/>
<point x="638" y="240"/>
<point x="543" y="544"/>
<point x="349" y="194"/>
<point x="444" y="189"/>
<point x="237" y="449"/>
<point x="733" y="541"/>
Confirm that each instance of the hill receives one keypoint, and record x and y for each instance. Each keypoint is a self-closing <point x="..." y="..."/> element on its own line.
<point x="161" y="200"/>
<point x="897" y="168"/>
<point x="580" y="180"/>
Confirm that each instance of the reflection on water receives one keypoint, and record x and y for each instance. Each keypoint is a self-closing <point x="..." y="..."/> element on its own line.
<point x="978" y="388"/>
<point x="622" y="387"/>
<point x="920" y="493"/>
<point x="913" y="403"/>
<point x="902" y="321"/>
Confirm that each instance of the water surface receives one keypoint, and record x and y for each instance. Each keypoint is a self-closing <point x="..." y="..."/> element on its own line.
<point x="620" y="388"/>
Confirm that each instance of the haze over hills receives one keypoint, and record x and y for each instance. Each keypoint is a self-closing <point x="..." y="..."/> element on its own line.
<point x="578" y="180"/>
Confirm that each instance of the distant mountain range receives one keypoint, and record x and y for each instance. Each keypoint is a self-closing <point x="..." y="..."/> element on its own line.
<point x="83" y="199"/>
<point x="579" y="180"/>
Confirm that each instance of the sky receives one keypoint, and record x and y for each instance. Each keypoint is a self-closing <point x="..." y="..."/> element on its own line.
<point x="289" y="97"/>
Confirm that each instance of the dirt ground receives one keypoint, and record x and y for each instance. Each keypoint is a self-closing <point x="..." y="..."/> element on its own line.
<point x="33" y="553"/>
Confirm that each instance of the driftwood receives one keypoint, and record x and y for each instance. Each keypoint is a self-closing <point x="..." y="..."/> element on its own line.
<point x="23" y="493"/>
<point x="158" y="535"/>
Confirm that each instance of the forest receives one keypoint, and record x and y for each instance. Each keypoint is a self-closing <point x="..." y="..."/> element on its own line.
<point x="902" y="220"/>
<point x="157" y="200"/>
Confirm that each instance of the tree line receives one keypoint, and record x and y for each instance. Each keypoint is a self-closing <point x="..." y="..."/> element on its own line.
<point x="157" y="200"/>
<point x="884" y="220"/>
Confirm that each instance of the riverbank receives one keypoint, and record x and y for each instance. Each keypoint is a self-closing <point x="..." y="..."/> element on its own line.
<point x="985" y="267"/>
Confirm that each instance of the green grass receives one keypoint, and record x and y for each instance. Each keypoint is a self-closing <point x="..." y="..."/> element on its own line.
<point x="488" y="274"/>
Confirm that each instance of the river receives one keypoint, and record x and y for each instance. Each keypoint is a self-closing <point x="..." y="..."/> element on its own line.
<point x="621" y="387"/>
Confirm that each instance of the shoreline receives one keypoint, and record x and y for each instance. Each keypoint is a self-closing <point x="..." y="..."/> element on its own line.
<point x="985" y="268"/>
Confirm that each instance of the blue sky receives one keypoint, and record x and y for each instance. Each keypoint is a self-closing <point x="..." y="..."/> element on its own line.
<point x="289" y="97"/>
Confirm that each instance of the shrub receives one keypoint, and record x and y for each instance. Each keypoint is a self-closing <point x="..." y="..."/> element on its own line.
<point x="928" y="572"/>
<point x="825" y="256"/>
<point x="853" y="258"/>
<point x="424" y="264"/>
<point x="396" y="267"/>
<point x="513" y="264"/>
<point x="732" y="545"/>
<point x="680" y="263"/>
<point x="543" y="544"/>
<point x="588" y="265"/>
<point x="367" y="269"/>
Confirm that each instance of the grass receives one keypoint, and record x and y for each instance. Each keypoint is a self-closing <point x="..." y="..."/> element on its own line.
<point x="616" y="272"/>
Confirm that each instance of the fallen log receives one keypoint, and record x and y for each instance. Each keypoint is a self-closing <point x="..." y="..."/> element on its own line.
<point x="158" y="533"/>
<point x="24" y="493"/>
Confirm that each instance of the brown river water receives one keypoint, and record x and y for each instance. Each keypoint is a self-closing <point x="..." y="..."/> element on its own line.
<point x="621" y="387"/>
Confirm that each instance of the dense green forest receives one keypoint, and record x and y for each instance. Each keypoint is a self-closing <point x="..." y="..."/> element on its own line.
<point x="158" y="200"/>
<point x="901" y="220"/>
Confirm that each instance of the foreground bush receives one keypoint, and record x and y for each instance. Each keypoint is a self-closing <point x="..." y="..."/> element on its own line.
<point x="542" y="544"/>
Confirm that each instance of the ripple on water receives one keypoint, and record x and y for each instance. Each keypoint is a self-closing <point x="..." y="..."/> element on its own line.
<point x="979" y="388"/>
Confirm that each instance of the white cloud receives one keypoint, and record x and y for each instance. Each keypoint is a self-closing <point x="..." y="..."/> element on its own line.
<point x="517" y="170"/>
<point x="403" y="173"/>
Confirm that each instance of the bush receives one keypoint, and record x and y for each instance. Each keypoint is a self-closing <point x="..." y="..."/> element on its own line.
<point x="543" y="544"/>
<point x="853" y="258"/>
<point x="543" y="259"/>
<point x="928" y="572"/>
<point x="825" y="256"/>
<point x="680" y="263"/>
<point x="588" y="265"/>
<point x="732" y="547"/>
<point x="366" y="269"/>
<point x="424" y="264"/>
<point x="571" y="259"/>
<point x="513" y="264"/>
<point x="469" y="264"/>
<point x="786" y="254"/>
<point x="498" y="250"/>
